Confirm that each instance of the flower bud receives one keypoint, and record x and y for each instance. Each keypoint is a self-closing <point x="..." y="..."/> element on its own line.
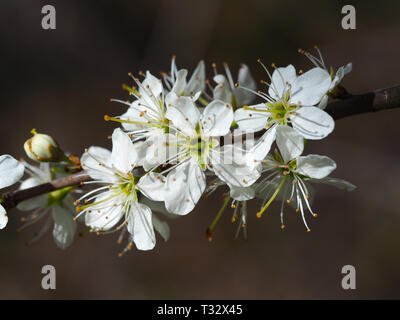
<point x="43" y="148"/>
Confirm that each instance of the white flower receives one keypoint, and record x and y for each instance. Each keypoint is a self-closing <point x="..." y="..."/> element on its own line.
<point x="228" y="92"/>
<point x="118" y="198"/>
<point x="11" y="171"/>
<point x="176" y="80"/>
<point x="145" y="116"/>
<point x="336" y="78"/>
<point x="290" y="101"/>
<point x="289" y="174"/>
<point x="59" y="203"/>
<point x="197" y="149"/>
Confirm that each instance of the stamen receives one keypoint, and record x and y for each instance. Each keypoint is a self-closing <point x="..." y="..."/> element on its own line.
<point x="216" y="219"/>
<point x="260" y="213"/>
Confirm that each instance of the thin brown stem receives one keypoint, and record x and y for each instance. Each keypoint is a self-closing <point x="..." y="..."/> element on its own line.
<point x="12" y="198"/>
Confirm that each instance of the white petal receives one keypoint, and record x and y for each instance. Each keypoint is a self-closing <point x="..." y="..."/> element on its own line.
<point x="313" y="123"/>
<point x="242" y="193"/>
<point x="222" y="90"/>
<point x="338" y="183"/>
<point x="217" y="118"/>
<point x="310" y="87"/>
<point x="45" y="171"/>
<point x="250" y="119"/>
<point x="140" y="226"/>
<point x="183" y="113"/>
<point x="197" y="82"/>
<point x="138" y="112"/>
<point x="34" y="203"/>
<point x="185" y="185"/>
<point x="132" y="114"/>
<point x="141" y="149"/>
<point x="101" y="155"/>
<point x="90" y="162"/>
<point x="290" y="143"/>
<point x="348" y="67"/>
<point x="124" y="155"/>
<point x="30" y="182"/>
<point x="338" y="77"/>
<point x="64" y="227"/>
<point x="158" y="149"/>
<point x="108" y="216"/>
<point x="324" y="102"/>
<point x="157" y="206"/>
<point x="11" y="170"/>
<point x="264" y="190"/>
<point x="3" y="217"/>
<point x="234" y="166"/>
<point x="280" y="78"/>
<point x="260" y="150"/>
<point x="340" y="73"/>
<point x="246" y="80"/>
<point x="154" y="85"/>
<point x="180" y="82"/>
<point x="162" y="227"/>
<point x="152" y="185"/>
<point x="315" y="166"/>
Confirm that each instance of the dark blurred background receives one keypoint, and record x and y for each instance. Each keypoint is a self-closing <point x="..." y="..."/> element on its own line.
<point x="60" y="81"/>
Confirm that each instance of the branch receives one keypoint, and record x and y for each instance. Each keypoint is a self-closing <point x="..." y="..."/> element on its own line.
<point x="12" y="198"/>
<point x="378" y="100"/>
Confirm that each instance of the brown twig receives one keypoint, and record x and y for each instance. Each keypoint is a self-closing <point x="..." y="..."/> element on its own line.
<point x="378" y="100"/>
<point x="12" y="198"/>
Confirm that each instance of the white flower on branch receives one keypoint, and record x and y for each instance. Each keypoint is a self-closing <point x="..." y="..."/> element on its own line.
<point x="228" y="92"/>
<point x="289" y="174"/>
<point x="336" y="77"/>
<point x="176" y="81"/>
<point x="170" y="143"/>
<point x="195" y="138"/>
<point x="145" y="116"/>
<point x="290" y="101"/>
<point x="11" y="171"/>
<point x="118" y="199"/>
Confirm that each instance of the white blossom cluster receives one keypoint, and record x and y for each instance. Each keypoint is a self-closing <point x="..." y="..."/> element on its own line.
<point x="183" y="137"/>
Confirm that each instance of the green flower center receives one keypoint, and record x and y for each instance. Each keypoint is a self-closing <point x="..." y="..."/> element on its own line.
<point x="199" y="148"/>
